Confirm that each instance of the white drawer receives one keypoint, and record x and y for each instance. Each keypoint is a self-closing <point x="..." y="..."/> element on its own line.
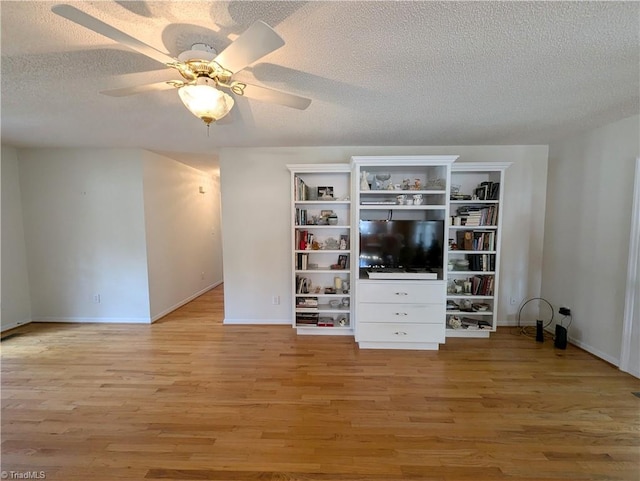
<point x="400" y="332"/>
<point x="414" y="292"/>
<point x="424" y="313"/>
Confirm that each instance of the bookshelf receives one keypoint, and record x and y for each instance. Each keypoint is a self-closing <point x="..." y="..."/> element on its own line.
<point x="321" y="247"/>
<point x="473" y="253"/>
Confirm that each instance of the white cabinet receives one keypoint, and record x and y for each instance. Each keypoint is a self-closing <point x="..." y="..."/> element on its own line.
<point x="400" y="314"/>
<point x="401" y="213"/>
<point x="321" y="240"/>
<point x="473" y="253"/>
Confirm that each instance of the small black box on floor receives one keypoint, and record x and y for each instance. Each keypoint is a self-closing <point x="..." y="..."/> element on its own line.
<point x="561" y="337"/>
<point x="539" y="332"/>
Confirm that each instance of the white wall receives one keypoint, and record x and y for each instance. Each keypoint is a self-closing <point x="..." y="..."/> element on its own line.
<point x="587" y="229"/>
<point x="182" y="232"/>
<point x="256" y="224"/>
<point x="16" y="306"/>
<point x="84" y="230"/>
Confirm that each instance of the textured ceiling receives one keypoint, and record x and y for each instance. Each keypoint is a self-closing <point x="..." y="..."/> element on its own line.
<point x="379" y="73"/>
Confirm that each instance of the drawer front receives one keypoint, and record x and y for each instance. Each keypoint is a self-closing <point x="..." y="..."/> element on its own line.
<point x="400" y="332"/>
<point x="416" y="292"/>
<point x="407" y="313"/>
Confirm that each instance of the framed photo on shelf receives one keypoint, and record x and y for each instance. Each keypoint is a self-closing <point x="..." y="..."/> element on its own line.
<point x="344" y="242"/>
<point x="342" y="261"/>
<point x="325" y="192"/>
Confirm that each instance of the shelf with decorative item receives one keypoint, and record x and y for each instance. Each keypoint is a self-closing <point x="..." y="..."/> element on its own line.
<point x="475" y="313"/>
<point x="322" y="202"/>
<point x="316" y="226"/>
<point x="470" y="273"/>
<point x="471" y="252"/>
<point x="385" y="206"/>
<point x="467" y="296"/>
<point x="473" y="202"/>
<point x="473" y="227"/>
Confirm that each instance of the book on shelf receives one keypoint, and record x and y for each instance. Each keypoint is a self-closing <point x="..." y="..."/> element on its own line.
<point x="300" y="189"/>
<point x="492" y="191"/>
<point x="307" y="302"/>
<point x="473" y="215"/>
<point x="307" y="318"/>
<point x="326" y="322"/>
<point x="483" y="240"/>
<point x="303" y="262"/>
<point x="301" y="217"/>
<point x="465" y="240"/>
<point x="482" y="262"/>
<point x="488" y="190"/>
<point x="302" y="239"/>
<point x="471" y="323"/>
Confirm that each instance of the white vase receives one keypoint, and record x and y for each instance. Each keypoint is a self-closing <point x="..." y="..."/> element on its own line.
<point x="364" y="183"/>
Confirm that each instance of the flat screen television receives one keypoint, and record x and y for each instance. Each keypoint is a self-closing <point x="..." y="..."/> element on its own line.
<point x="407" y="244"/>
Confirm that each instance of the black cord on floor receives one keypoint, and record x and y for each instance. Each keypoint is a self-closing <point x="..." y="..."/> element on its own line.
<point x="530" y="331"/>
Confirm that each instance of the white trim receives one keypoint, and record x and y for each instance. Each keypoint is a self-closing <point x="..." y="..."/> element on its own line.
<point x="594" y="351"/>
<point x="100" y="320"/>
<point x="419" y="346"/>
<point x="392" y="160"/>
<point x="14" y="324"/>
<point x="264" y="322"/>
<point x="319" y="168"/>
<point x="480" y="166"/>
<point x="632" y="280"/>
<point x="184" y="301"/>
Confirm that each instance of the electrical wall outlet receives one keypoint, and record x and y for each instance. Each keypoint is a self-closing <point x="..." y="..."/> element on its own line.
<point x="275" y="300"/>
<point x="564" y="311"/>
<point x="96" y="299"/>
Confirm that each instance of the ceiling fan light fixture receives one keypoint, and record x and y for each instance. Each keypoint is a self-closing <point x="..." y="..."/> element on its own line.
<point x="205" y="101"/>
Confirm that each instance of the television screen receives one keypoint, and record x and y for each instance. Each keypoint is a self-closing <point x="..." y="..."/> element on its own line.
<point x="401" y="243"/>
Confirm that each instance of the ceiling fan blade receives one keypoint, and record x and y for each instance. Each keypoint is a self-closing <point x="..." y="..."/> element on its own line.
<point x="98" y="26"/>
<point x="125" y="91"/>
<point x="270" y="95"/>
<point x="256" y="42"/>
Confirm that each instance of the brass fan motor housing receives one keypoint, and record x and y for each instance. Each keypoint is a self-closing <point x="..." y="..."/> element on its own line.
<point x="192" y="69"/>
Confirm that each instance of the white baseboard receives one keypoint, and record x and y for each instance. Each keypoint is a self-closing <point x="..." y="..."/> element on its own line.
<point x="594" y="351"/>
<point x="184" y="301"/>
<point x="101" y="320"/>
<point x="580" y="344"/>
<point x="14" y="324"/>
<point x="265" y="322"/>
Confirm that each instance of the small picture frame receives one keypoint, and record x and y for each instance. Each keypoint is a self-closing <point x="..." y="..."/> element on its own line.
<point x="342" y="261"/>
<point x="325" y="192"/>
<point x="344" y="242"/>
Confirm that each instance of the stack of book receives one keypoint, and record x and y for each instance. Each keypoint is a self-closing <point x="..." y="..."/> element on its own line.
<point x="307" y="302"/>
<point x="306" y="318"/>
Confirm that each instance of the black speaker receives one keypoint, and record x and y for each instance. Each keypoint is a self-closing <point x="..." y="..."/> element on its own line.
<point x="561" y="337"/>
<point x="539" y="332"/>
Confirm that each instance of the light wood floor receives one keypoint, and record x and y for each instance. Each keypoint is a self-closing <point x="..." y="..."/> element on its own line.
<point x="190" y="399"/>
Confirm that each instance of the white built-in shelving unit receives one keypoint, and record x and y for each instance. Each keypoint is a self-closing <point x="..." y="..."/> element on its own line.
<point x="321" y="284"/>
<point x="397" y="307"/>
<point x="473" y="254"/>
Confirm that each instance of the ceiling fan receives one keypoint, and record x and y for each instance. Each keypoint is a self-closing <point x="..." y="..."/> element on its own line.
<point x="202" y="69"/>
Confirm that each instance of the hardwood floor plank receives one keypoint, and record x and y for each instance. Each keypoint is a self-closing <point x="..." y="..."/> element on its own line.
<point x="190" y="398"/>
